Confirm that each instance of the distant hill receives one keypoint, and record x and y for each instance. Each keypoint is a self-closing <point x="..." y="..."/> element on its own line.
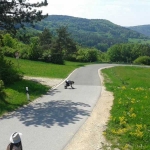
<point x="143" y="29"/>
<point x="97" y="33"/>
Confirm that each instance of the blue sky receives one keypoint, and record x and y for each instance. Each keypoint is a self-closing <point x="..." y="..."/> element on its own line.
<point x="120" y="12"/>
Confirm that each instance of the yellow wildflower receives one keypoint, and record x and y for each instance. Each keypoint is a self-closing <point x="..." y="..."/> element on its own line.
<point x="123" y="87"/>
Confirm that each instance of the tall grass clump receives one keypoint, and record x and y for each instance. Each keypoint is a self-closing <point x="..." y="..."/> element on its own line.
<point x="129" y="123"/>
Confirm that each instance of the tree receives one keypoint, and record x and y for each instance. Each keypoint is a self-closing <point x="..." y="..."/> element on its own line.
<point x="35" y="50"/>
<point x="61" y="39"/>
<point x="114" y="53"/>
<point x="87" y="55"/>
<point x="9" y="41"/>
<point x="15" y="13"/>
<point x="63" y="45"/>
<point x="45" y="37"/>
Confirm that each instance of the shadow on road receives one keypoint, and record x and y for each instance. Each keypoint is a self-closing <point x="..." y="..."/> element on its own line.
<point x="60" y="112"/>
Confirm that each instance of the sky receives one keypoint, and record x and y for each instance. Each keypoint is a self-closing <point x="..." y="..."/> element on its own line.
<point x="120" y="12"/>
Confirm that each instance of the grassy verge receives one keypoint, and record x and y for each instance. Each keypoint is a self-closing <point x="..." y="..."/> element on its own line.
<point x="16" y="95"/>
<point x="129" y="124"/>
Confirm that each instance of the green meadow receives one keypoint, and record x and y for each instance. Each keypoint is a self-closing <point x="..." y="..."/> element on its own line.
<point x="142" y="41"/>
<point x="42" y="69"/>
<point x="16" y="93"/>
<point x="129" y="124"/>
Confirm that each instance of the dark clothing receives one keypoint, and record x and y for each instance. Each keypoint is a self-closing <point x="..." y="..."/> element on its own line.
<point x="12" y="146"/>
<point x="69" y="83"/>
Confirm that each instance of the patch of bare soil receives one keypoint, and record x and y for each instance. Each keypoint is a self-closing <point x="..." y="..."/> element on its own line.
<point x="52" y="82"/>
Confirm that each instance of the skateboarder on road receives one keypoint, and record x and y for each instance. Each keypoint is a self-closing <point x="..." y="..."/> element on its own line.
<point x="69" y="83"/>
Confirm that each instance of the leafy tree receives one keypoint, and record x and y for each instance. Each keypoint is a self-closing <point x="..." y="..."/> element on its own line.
<point x="15" y="13"/>
<point x="35" y="50"/>
<point x="87" y="55"/>
<point x="128" y="52"/>
<point x="114" y="53"/>
<point x="9" y="41"/>
<point x="142" y="60"/>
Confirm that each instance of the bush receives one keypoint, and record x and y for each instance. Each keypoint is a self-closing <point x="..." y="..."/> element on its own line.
<point x="7" y="71"/>
<point x="57" y="58"/>
<point x="87" y="55"/>
<point x="71" y="57"/>
<point x="9" y="41"/>
<point x="142" y="60"/>
<point x="35" y="51"/>
<point x="46" y="56"/>
<point x="8" y="51"/>
<point x="23" y="50"/>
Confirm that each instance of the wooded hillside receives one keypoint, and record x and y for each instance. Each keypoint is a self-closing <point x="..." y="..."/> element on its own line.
<point x="143" y="29"/>
<point x="98" y="33"/>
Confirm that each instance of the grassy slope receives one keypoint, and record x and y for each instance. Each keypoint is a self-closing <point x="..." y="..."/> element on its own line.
<point x="42" y="69"/>
<point x="129" y="122"/>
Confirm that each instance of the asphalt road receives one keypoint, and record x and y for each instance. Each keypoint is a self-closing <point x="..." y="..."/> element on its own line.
<point x="50" y="122"/>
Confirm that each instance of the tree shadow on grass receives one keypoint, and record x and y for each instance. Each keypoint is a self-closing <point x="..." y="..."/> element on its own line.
<point x="34" y="87"/>
<point x="60" y="112"/>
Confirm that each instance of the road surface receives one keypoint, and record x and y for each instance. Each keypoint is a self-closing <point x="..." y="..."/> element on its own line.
<point x="50" y="122"/>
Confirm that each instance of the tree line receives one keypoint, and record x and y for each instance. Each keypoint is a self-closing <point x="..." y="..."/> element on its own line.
<point x="130" y="53"/>
<point x="49" y="47"/>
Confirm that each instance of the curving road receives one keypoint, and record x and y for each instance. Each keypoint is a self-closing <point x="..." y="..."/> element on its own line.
<point x="51" y="121"/>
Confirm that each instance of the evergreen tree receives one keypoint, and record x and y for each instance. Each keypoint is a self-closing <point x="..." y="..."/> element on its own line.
<point x="14" y="13"/>
<point x="63" y="46"/>
<point x="45" y="39"/>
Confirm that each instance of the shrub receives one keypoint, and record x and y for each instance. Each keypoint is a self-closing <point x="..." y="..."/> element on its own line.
<point x="9" y="41"/>
<point x="145" y="60"/>
<point x="8" y="51"/>
<point x="57" y="58"/>
<point x="87" y="55"/>
<point x="71" y="57"/>
<point x="46" y="56"/>
<point x="35" y="50"/>
<point x="7" y="71"/>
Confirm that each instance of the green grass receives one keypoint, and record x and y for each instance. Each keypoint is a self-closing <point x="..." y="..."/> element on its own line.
<point x="129" y="124"/>
<point x="42" y="69"/>
<point x="16" y="93"/>
<point x="142" y="41"/>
